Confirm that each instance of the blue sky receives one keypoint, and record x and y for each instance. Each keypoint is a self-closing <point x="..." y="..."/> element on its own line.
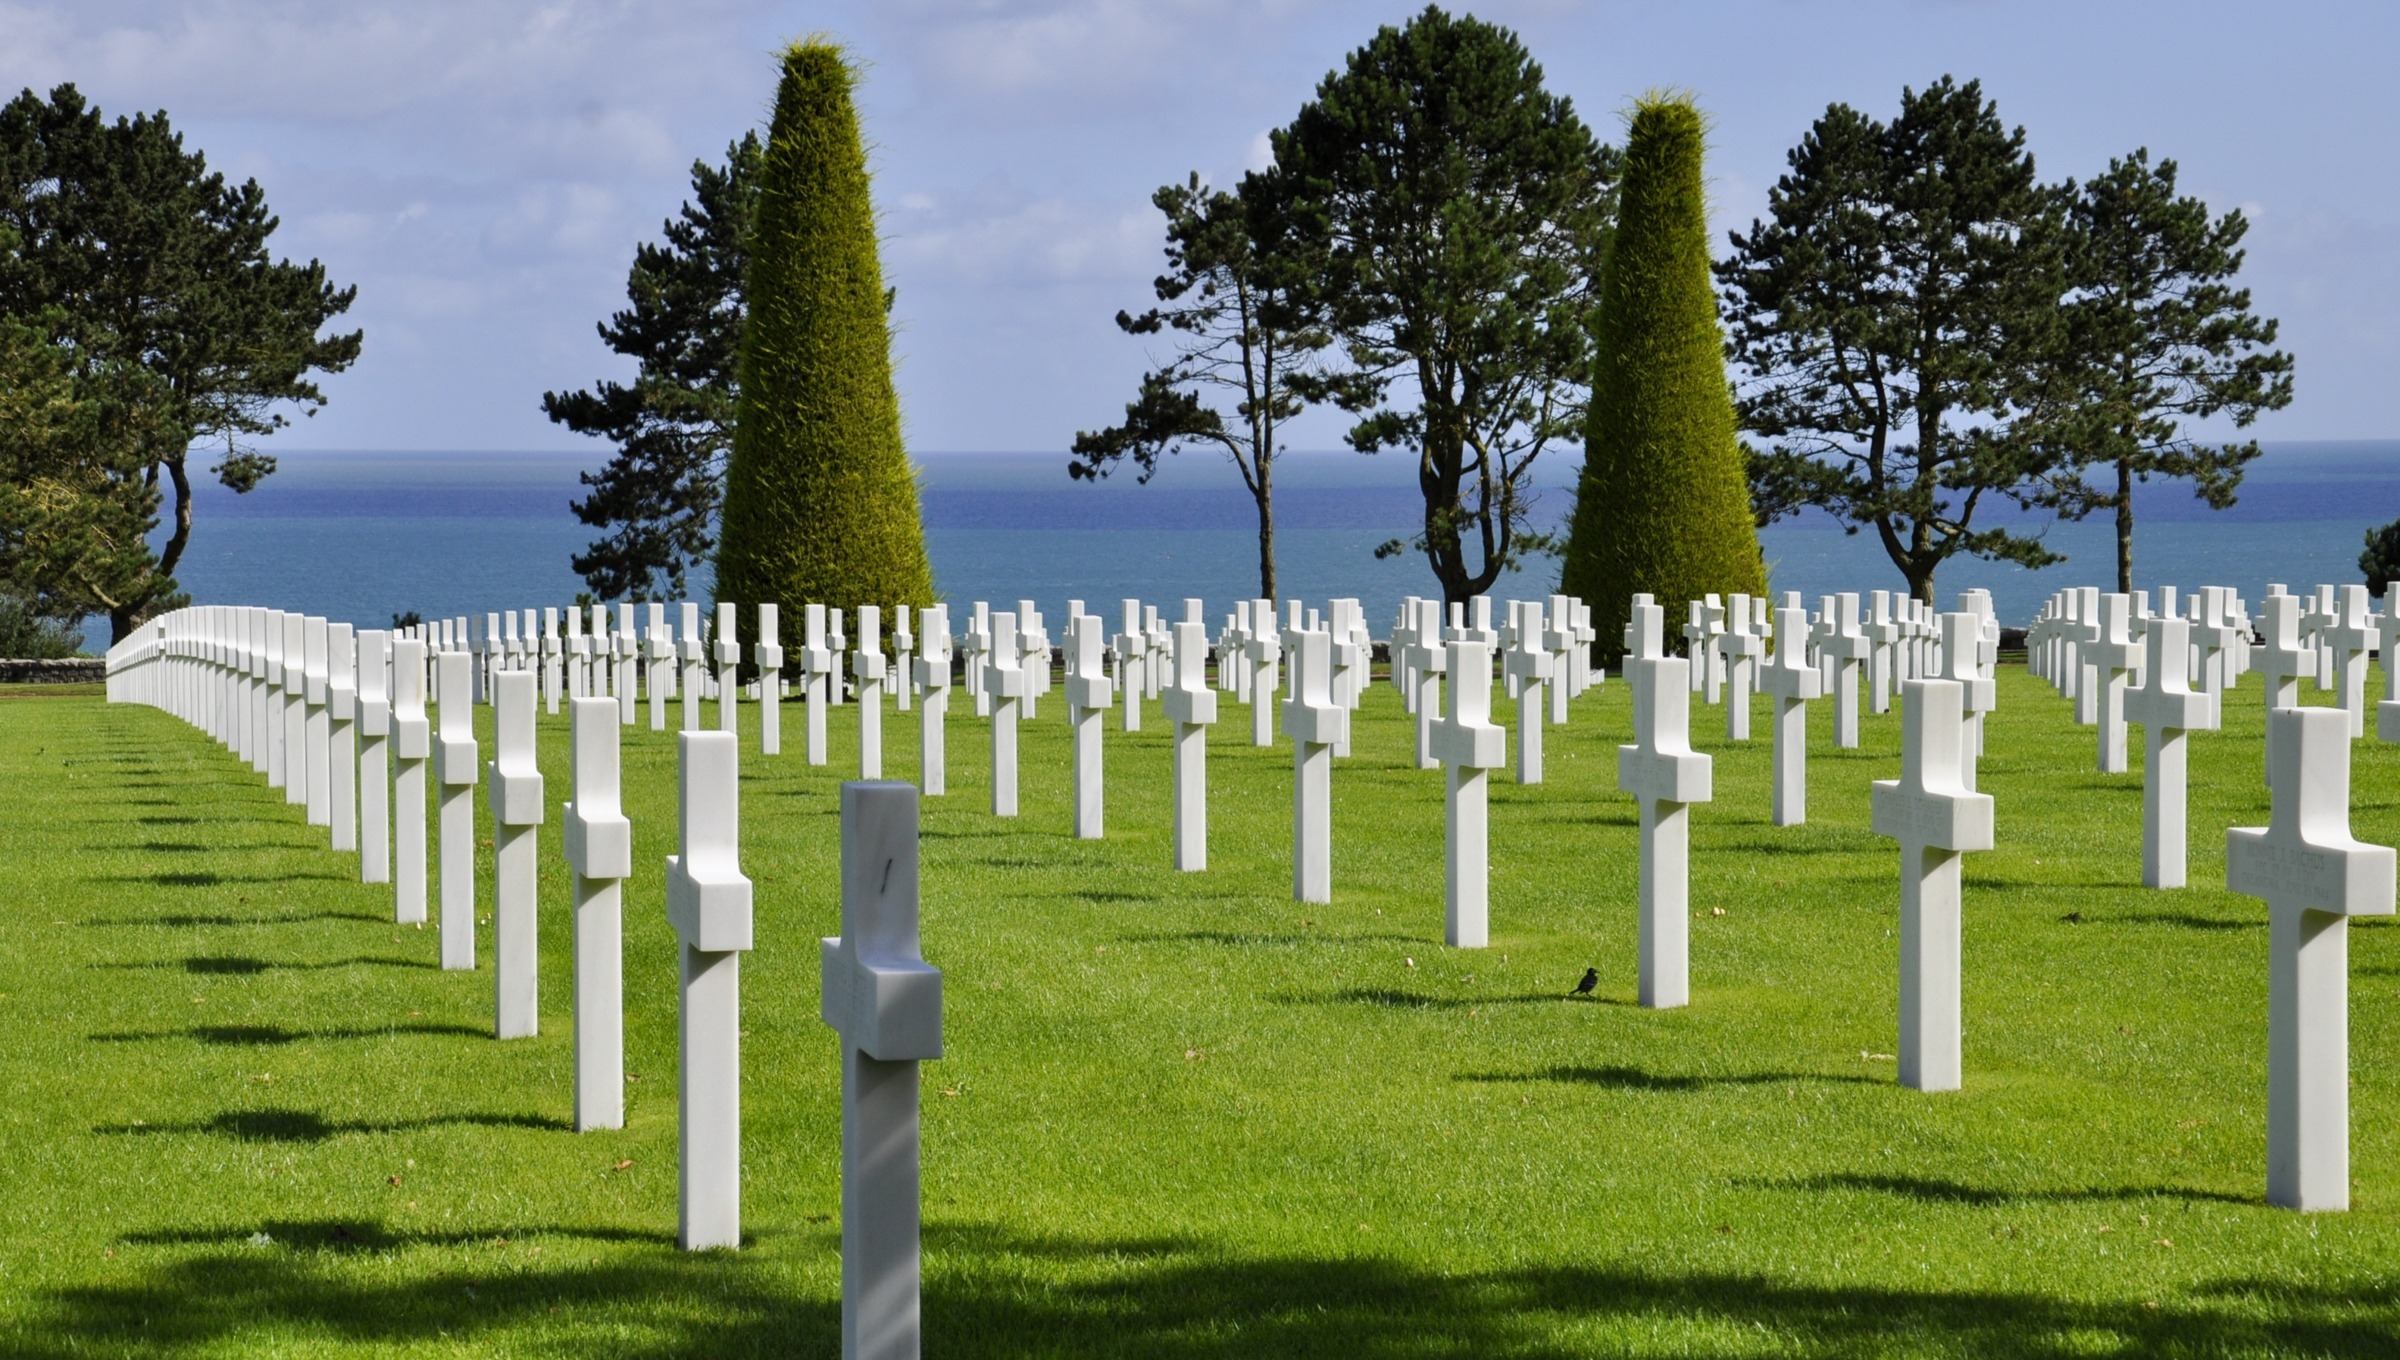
<point x="482" y="169"/>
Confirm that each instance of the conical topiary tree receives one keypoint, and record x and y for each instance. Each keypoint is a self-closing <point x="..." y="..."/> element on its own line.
<point x="1664" y="502"/>
<point x="820" y="503"/>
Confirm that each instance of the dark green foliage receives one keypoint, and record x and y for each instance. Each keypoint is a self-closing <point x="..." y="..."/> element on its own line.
<point x="1664" y="503"/>
<point x="75" y="506"/>
<point x="1898" y="315"/>
<point x="2381" y="561"/>
<point x="1237" y="295"/>
<point x="673" y="425"/>
<point x="820" y="503"/>
<point x="153" y="260"/>
<point x="2155" y="336"/>
<point x="1459" y="209"/>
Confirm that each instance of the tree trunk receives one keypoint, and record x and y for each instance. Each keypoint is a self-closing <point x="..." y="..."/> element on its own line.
<point x="2124" y="526"/>
<point x="1266" y="530"/>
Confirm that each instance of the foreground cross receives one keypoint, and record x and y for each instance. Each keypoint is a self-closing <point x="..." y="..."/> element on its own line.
<point x="455" y="770"/>
<point x="2314" y="877"/>
<point x="885" y="1001"/>
<point x="2166" y="707"/>
<point x="1666" y="777"/>
<point x="515" y="790"/>
<point x="1191" y="706"/>
<point x="1936" y="818"/>
<point x="708" y="903"/>
<point x="599" y="844"/>
<point x="1004" y="683"/>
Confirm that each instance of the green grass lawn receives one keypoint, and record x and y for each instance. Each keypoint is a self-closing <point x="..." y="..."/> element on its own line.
<point x="1182" y="1115"/>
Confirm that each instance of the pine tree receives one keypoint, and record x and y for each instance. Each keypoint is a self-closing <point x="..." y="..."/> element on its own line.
<point x="1664" y="504"/>
<point x="820" y="502"/>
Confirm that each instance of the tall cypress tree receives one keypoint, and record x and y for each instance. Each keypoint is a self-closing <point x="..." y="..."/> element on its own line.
<point x="1664" y="503"/>
<point x="820" y="503"/>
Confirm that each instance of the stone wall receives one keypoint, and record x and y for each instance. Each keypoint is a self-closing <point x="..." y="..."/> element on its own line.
<point x="73" y="670"/>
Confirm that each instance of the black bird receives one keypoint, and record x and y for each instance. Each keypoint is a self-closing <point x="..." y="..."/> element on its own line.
<point x="1591" y="979"/>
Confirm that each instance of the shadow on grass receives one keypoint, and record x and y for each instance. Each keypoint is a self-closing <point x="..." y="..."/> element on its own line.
<point x="182" y="920"/>
<point x="345" y="1236"/>
<point x="272" y="1035"/>
<point x="242" y="966"/>
<point x="2182" y="920"/>
<point x="1248" y="939"/>
<point x="207" y="879"/>
<point x="1398" y="999"/>
<point x="1932" y="1190"/>
<point x="993" y="1293"/>
<point x="307" y="1126"/>
<point x="1634" y="1079"/>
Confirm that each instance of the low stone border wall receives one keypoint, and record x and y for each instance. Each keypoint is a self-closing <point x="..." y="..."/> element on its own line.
<point x="73" y="670"/>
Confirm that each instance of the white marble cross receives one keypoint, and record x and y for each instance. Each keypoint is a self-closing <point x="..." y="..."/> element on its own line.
<point x="1936" y="819"/>
<point x="455" y="767"/>
<point x="904" y="647"/>
<point x="1737" y="651"/>
<point x="1191" y="706"/>
<point x="514" y="787"/>
<point x="2387" y="642"/>
<point x="2350" y="637"/>
<point x="868" y="667"/>
<point x="412" y="745"/>
<point x="1318" y="724"/>
<point x="554" y="659"/>
<point x="1470" y="746"/>
<point x="1665" y="777"/>
<point x="1428" y="658"/>
<point x="599" y="846"/>
<point x="933" y="682"/>
<point x="837" y="647"/>
<point x="728" y="649"/>
<point x="1844" y="640"/>
<point x="1793" y="680"/>
<point x="1033" y="643"/>
<point x="295" y="709"/>
<point x="659" y="676"/>
<point x="628" y="666"/>
<point x="2316" y="625"/>
<point x="578" y="647"/>
<point x="1004" y="683"/>
<point x="694" y="655"/>
<point x="979" y="646"/>
<point x="1131" y="646"/>
<point x="341" y="742"/>
<point x="767" y="655"/>
<point x="1263" y="651"/>
<point x="316" y="723"/>
<point x="2282" y="661"/>
<point x="1088" y="696"/>
<point x="1696" y="634"/>
<point x="709" y="904"/>
<point x="817" y="663"/>
<point x="885" y="1002"/>
<point x="2166" y="707"/>
<point x="2314" y="877"/>
<point x="1964" y="660"/>
<point x="1531" y="666"/>
<point x="1353" y="652"/>
<point x="2109" y="656"/>
<point x="1883" y="634"/>
<point x="374" y="756"/>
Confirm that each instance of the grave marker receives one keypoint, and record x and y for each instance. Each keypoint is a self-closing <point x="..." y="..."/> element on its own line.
<point x="933" y="680"/>
<point x="2281" y="662"/>
<point x="1191" y="705"/>
<point x="1936" y="819"/>
<point x="1793" y="680"/>
<point x="1470" y="747"/>
<point x="515" y="791"/>
<point x="2314" y="876"/>
<point x="316" y="723"/>
<point x="1531" y="666"/>
<point x="885" y="1002"/>
<point x="2166" y="707"/>
<point x="1004" y="683"/>
<point x="867" y="664"/>
<point x="729" y="669"/>
<point x="709" y="904"/>
<point x="341" y="735"/>
<point x="454" y="770"/>
<point x="1317" y="723"/>
<point x="1665" y="777"/>
<point x="2109" y="655"/>
<point x="374" y="759"/>
<point x="599" y="845"/>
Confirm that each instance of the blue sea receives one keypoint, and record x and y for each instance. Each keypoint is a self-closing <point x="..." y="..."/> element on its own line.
<point x="364" y="536"/>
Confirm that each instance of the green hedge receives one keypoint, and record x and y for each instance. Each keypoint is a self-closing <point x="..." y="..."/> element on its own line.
<point x="820" y="501"/>
<point x="1664" y="502"/>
